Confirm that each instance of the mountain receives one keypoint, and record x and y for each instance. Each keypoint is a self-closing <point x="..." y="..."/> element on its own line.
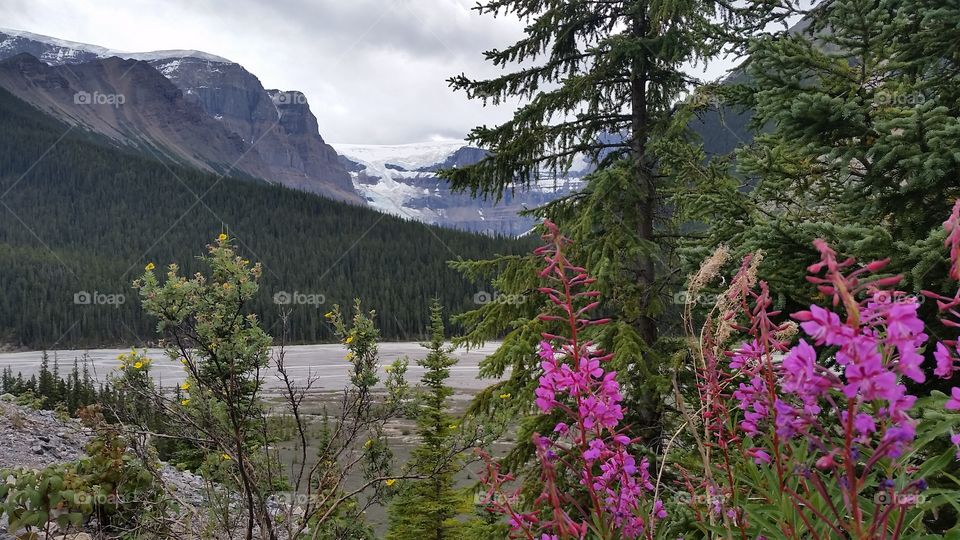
<point x="213" y="114"/>
<point x="80" y="217"/>
<point x="194" y="108"/>
<point x="189" y="107"/>
<point x="402" y="180"/>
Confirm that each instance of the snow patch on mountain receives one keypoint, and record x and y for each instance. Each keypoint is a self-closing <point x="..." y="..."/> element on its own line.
<point x="402" y="180"/>
<point x="408" y="156"/>
<point x="64" y="51"/>
<point x="388" y="175"/>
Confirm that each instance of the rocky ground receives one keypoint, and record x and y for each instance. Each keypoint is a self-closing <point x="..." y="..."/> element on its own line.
<point x="34" y="439"/>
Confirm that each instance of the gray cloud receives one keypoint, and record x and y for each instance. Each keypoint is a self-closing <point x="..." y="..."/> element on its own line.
<point x="374" y="71"/>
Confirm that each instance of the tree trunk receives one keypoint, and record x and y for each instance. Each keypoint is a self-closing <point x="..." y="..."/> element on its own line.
<point x="648" y="399"/>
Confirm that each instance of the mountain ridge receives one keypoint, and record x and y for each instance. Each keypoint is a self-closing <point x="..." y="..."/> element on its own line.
<point x="253" y="134"/>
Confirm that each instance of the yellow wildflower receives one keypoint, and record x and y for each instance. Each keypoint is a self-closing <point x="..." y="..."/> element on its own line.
<point x="453" y="426"/>
<point x="149" y="267"/>
<point x="349" y="356"/>
<point x="183" y="361"/>
<point x="505" y="395"/>
<point x="390" y="481"/>
<point x="226" y="285"/>
<point x="222" y="237"/>
<point x="185" y="386"/>
<point x="138" y="365"/>
<point x="328" y="315"/>
<point x="185" y="401"/>
<point x="368" y="443"/>
<point x="226" y="457"/>
<point x="349" y="340"/>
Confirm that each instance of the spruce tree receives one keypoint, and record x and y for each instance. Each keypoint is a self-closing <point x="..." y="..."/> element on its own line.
<point x="598" y="81"/>
<point x="46" y="384"/>
<point x="425" y="508"/>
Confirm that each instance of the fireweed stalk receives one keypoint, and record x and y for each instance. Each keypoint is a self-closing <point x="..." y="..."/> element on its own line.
<point x="590" y="448"/>
<point x="829" y="416"/>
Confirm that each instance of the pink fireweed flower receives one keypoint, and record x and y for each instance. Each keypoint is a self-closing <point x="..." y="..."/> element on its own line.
<point x="953" y="404"/>
<point x="597" y="449"/>
<point x="865" y="371"/>
<point x="952" y="226"/>
<point x="658" y="509"/>
<point x="955" y="440"/>
<point x="898" y="437"/>
<point x="823" y="326"/>
<point x="789" y="420"/>
<point x="946" y="361"/>
<point x="574" y="383"/>
<point x="800" y="373"/>
<point x="760" y="457"/>
<point x="902" y="321"/>
<point x="748" y="355"/>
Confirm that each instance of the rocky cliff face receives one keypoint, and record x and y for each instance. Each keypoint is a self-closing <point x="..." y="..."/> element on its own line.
<point x="218" y="114"/>
<point x="130" y="103"/>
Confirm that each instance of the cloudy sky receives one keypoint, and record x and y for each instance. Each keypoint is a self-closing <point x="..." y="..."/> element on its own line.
<point x="374" y="71"/>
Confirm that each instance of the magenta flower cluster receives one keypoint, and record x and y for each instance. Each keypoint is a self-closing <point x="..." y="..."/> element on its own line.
<point x="587" y="442"/>
<point x="841" y="389"/>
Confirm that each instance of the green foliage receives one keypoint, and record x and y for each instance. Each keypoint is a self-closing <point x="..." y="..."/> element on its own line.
<point x="860" y="114"/>
<point x="361" y="340"/>
<point x="109" y="484"/>
<point x="101" y="214"/>
<point x="928" y="512"/>
<point x="426" y="507"/>
<point x="203" y="321"/>
<point x="205" y="324"/>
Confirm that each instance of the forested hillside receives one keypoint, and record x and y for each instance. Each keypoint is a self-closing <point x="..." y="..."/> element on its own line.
<point x="87" y="218"/>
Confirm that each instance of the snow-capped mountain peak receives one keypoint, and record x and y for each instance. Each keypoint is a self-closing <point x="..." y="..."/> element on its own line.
<point x="61" y="51"/>
<point x="410" y="156"/>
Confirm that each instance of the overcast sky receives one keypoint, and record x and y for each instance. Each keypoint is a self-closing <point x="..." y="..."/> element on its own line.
<point x="374" y="71"/>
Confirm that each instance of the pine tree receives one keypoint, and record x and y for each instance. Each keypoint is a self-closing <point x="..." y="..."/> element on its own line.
<point x="8" y="381"/>
<point x="598" y="80"/>
<point x="425" y="508"/>
<point x="46" y="384"/>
